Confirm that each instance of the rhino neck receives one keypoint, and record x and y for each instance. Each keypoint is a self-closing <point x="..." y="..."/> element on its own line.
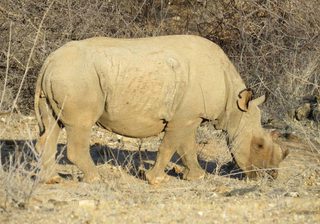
<point x="233" y="123"/>
<point x="230" y="118"/>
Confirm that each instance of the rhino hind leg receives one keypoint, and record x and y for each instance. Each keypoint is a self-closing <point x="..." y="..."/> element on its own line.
<point x="78" y="139"/>
<point x="46" y="145"/>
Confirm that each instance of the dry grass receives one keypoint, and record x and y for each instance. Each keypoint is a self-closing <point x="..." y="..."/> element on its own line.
<point x="17" y="180"/>
<point x="274" y="44"/>
<point x="124" y="197"/>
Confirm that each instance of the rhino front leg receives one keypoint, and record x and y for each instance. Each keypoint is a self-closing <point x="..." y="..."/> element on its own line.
<point x="187" y="149"/>
<point x="78" y="152"/>
<point x="188" y="153"/>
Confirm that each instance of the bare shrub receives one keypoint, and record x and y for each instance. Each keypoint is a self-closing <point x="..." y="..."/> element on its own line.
<point x="17" y="171"/>
<point x="8" y="97"/>
<point x="275" y="45"/>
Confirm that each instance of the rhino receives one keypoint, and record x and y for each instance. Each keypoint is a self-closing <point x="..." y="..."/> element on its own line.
<point x="142" y="87"/>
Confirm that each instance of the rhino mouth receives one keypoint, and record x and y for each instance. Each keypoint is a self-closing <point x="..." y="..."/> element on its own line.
<point x="233" y="169"/>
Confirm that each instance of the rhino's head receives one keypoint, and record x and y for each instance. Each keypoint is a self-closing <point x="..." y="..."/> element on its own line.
<point x="254" y="149"/>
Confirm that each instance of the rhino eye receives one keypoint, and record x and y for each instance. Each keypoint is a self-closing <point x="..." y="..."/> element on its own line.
<point x="258" y="143"/>
<point x="260" y="146"/>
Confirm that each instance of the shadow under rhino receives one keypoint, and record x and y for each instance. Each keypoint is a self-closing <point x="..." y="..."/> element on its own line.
<point x="17" y="154"/>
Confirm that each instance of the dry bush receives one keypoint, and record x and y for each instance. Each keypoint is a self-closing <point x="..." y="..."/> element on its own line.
<point x="17" y="171"/>
<point x="7" y="99"/>
<point x="275" y="44"/>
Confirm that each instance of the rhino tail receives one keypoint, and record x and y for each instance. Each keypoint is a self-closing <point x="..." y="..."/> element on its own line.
<point x="38" y="95"/>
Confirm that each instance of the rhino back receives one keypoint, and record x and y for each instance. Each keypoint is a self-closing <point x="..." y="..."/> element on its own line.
<point x="161" y="73"/>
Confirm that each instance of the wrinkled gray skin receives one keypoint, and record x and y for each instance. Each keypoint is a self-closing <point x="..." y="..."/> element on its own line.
<point x="141" y="87"/>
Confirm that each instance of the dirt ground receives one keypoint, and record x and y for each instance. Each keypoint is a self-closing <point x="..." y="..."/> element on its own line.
<point x="125" y="197"/>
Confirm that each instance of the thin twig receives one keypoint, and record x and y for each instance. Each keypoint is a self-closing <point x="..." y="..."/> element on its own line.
<point x="15" y="59"/>
<point x="7" y="67"/>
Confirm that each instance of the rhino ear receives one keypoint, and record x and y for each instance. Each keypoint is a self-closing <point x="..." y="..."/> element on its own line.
<point x="244" y="98"/>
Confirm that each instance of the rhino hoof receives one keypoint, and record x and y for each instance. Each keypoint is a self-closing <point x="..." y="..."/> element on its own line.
<point x="156" y="179"/>
<point x="54" y="180"/>
<point x="193" y="174"/>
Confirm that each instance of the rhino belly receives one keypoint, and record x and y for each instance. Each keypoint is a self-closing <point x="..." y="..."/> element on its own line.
<point x="132" y="126"/>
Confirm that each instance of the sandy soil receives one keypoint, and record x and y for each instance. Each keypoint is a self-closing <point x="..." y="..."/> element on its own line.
<point x="126" y="198"/>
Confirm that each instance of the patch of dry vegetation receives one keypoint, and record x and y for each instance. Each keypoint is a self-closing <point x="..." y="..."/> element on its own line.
<point x="124" y="197"/>
<point x="275" y="46"/>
